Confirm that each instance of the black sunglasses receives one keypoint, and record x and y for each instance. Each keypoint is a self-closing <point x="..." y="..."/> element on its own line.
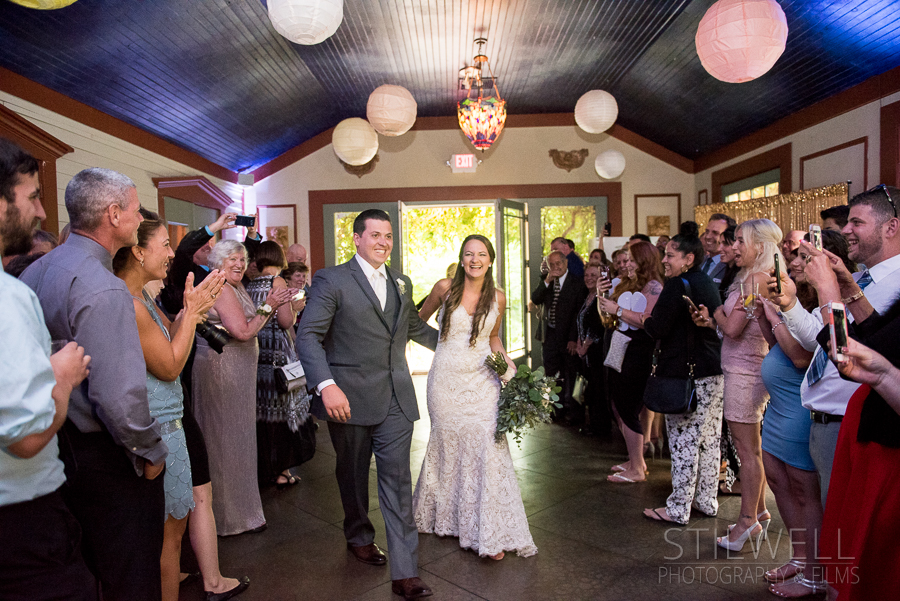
<point x="883" y="188"/>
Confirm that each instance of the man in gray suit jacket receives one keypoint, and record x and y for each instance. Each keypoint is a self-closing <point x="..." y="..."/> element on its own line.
<point x="352" y="343"/>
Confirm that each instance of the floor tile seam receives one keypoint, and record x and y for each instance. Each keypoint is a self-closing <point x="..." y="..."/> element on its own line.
<point x="473" y="593"/>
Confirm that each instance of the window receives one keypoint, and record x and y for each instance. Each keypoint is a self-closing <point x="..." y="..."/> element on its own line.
<point x="756" y="186"/>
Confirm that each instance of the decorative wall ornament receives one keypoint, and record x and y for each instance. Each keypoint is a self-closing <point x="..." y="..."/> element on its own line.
<point x="568" y="160"/>
<point x="354" y="141"/>
<point x="306" y="22"/>
<point x="361" y="170"/>
<point x="391" y="110"/>
<point x="740" y="40"/>
<point x="658" y="225"/>
<point x="610" y="164"/>
<point x="482" y="113"/>
<point x="792" y="211"/>
<point x="596" y="111"/>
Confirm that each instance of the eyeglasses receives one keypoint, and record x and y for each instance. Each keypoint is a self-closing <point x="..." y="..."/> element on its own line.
<point x="883" y="188"/>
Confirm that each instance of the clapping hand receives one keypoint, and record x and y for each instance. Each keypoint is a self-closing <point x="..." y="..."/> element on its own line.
<point x="199" y="300"/>
<point x="278" y="296"/>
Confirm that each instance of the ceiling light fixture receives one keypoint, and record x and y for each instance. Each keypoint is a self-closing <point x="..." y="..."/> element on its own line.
<point x="482" y="113"/>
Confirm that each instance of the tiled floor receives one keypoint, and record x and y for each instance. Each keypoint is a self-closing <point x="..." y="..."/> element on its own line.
<point x="593" y="542"/>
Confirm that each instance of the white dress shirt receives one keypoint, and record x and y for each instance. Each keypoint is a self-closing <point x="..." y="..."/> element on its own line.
<point x="832" y="393"/>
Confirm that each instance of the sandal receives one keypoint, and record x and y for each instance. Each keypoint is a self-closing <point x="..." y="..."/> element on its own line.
<point x="799" y="588"/>
<point x="498" y="556"/>
<point x="621" y="468"/>
<point x="289" y="480"/>
<point x="785" y="572"/>
<point x="656" y="516"/>
<point x="618" y="478"/>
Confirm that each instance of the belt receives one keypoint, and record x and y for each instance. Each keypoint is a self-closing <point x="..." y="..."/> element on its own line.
<point x="824" y="418"/>
<point x="169" y="427"/>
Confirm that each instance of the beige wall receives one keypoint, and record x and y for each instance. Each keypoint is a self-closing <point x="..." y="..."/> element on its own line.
<point x="853" y="163"/>
<point x="520" y="156"/>
<point x="94" y="148"/>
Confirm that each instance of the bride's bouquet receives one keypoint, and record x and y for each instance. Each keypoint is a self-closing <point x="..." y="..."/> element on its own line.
<point x="528" y="398"/>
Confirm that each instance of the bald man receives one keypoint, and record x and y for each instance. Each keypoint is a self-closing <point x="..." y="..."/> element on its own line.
<point x="791" y="241"/>
<point x="296" y="253"/>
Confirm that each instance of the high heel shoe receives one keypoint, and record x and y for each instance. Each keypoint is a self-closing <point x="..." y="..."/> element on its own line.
<point x="650" y="449"/>
<point x="764" y="523"/>
<point x="737" y="545"/>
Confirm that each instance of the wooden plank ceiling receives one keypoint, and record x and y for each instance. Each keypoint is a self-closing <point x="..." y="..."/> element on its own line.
<point x="213" y="76"/>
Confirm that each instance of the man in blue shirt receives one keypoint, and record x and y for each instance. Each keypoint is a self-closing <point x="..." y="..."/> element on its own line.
<point x="34" y="520"/>
<point x="110" y="444"/>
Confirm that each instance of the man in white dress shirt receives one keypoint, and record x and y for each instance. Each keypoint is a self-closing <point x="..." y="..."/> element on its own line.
<point x="873" y="231"/>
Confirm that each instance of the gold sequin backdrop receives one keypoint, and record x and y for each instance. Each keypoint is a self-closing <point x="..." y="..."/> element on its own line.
<point x="794" y="211"/>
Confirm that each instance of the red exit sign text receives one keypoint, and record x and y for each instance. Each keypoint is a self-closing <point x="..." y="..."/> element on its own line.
<point x="463" y="163"/>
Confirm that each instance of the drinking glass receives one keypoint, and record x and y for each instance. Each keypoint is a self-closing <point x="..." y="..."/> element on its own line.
<point x="749" y="294"/>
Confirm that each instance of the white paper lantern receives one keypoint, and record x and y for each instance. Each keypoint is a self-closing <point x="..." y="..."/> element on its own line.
<point x="596" y="111"/>
<point x="391" y="110"/>
<point x="610" y="164"/>
<point x="740" y="40"/>
<point x="306" y="22"/>
<point x="44" y="4"/>
<point x="354" y="141"/>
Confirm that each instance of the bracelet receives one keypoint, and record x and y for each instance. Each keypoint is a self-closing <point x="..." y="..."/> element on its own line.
<point x="854" y="298"/>
<point x="780" y="323"/>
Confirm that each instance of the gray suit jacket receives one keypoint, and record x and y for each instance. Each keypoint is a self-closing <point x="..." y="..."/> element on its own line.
<point x="344" y="336"/>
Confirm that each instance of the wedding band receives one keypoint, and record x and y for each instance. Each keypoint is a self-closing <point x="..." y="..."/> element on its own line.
<point x="214" y="297"/>
<point x="809" y="259"/>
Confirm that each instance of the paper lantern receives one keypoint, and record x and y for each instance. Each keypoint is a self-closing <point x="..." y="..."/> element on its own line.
<point x="596" y="111"/>
<point x="306" y="22"/>
<point x="610" y="164"/>
<point x="739" y="40"/>
<point x="391" y="110"/>
<point x="44" y="4"/>
<point x="354" y="141"/>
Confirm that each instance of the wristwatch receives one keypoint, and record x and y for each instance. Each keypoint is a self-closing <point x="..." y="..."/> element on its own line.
<point x="265" y="310"/>
<point x="619" y="312"/>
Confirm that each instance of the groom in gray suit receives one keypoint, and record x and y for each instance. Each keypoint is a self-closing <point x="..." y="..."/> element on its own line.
<point x="352" y="343"/>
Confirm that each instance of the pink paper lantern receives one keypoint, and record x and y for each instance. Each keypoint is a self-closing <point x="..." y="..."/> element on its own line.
<point x="739" y="40"/>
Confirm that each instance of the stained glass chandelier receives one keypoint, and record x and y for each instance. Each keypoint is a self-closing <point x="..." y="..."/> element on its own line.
<point x="482" y="113"/>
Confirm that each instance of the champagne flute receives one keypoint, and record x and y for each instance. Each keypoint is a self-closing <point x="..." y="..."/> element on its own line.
<point x="749" y="294"/>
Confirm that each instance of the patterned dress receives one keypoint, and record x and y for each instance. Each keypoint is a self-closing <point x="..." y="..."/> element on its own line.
<point x="166" y="405"/>
<point x="467" y="487"/>
<point x="279" y="416"/>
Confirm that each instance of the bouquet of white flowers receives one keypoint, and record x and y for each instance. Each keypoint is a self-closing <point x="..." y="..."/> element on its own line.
<point x="527" y="399"/>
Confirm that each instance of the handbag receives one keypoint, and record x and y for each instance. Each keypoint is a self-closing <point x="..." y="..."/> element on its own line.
<point x="578" y="389"/>
<point x="616" y="354"/>
<point x="290" y="377"/>
<point x="672" y="395"/>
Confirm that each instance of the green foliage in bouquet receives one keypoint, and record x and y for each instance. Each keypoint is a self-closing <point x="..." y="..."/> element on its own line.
<point x="528" y="399"/>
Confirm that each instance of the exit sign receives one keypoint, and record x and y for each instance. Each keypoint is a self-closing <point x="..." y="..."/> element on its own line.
<point x="463" y="163"/>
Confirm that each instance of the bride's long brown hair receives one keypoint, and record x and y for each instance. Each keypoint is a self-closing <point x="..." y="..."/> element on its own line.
<point x="456" y="291"/>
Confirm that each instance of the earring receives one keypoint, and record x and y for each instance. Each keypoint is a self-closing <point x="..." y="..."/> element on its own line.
<point x="684" y="268"/>
<point x="142" y="261"/>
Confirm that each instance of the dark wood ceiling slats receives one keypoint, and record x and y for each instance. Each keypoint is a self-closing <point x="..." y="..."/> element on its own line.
<point x="213" y="76"/>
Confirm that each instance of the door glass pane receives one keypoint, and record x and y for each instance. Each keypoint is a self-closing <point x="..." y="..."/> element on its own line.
<point x="514" y="280"/>
<point x="344" y="248"/>
<point x="576" y="223"/>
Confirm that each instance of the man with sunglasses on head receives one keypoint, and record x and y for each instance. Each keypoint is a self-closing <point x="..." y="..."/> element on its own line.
<point x="873" y="231"/>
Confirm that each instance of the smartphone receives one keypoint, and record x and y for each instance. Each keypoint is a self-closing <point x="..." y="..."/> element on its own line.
<point x="690" y="302"/>
<point x="607" y="229"/>
<point x="245" y="220"/>
<point x="815" y="236"/>
<point x="301" y="294"/>
<point x="777" y="274"/>
<point x="837" y="325"/>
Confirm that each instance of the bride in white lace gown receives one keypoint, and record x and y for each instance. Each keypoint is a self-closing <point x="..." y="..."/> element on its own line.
<point x="467" y="487"/>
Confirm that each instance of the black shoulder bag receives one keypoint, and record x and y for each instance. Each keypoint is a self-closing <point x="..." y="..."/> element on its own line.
<point x="672" y="395"/>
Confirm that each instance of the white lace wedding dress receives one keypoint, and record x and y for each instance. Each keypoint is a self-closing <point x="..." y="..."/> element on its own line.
<point x="467" y="486"/>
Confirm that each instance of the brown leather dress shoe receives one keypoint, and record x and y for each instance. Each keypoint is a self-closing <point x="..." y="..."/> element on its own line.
<point x="369" y="554"/>
<point x="410" y="588"/>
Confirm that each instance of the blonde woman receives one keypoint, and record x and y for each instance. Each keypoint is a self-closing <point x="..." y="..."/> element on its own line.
<point x="743" y="350"/>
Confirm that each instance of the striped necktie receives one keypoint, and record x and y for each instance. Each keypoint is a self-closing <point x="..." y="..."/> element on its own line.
<point x="817" y="368"/>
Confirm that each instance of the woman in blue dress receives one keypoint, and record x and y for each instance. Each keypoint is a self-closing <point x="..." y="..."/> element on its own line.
<point x="790" y="471"/>
<point x="166" y="346"/>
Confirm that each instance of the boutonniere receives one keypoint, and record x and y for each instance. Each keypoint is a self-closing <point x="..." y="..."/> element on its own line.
<point x="401" y="285"/>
